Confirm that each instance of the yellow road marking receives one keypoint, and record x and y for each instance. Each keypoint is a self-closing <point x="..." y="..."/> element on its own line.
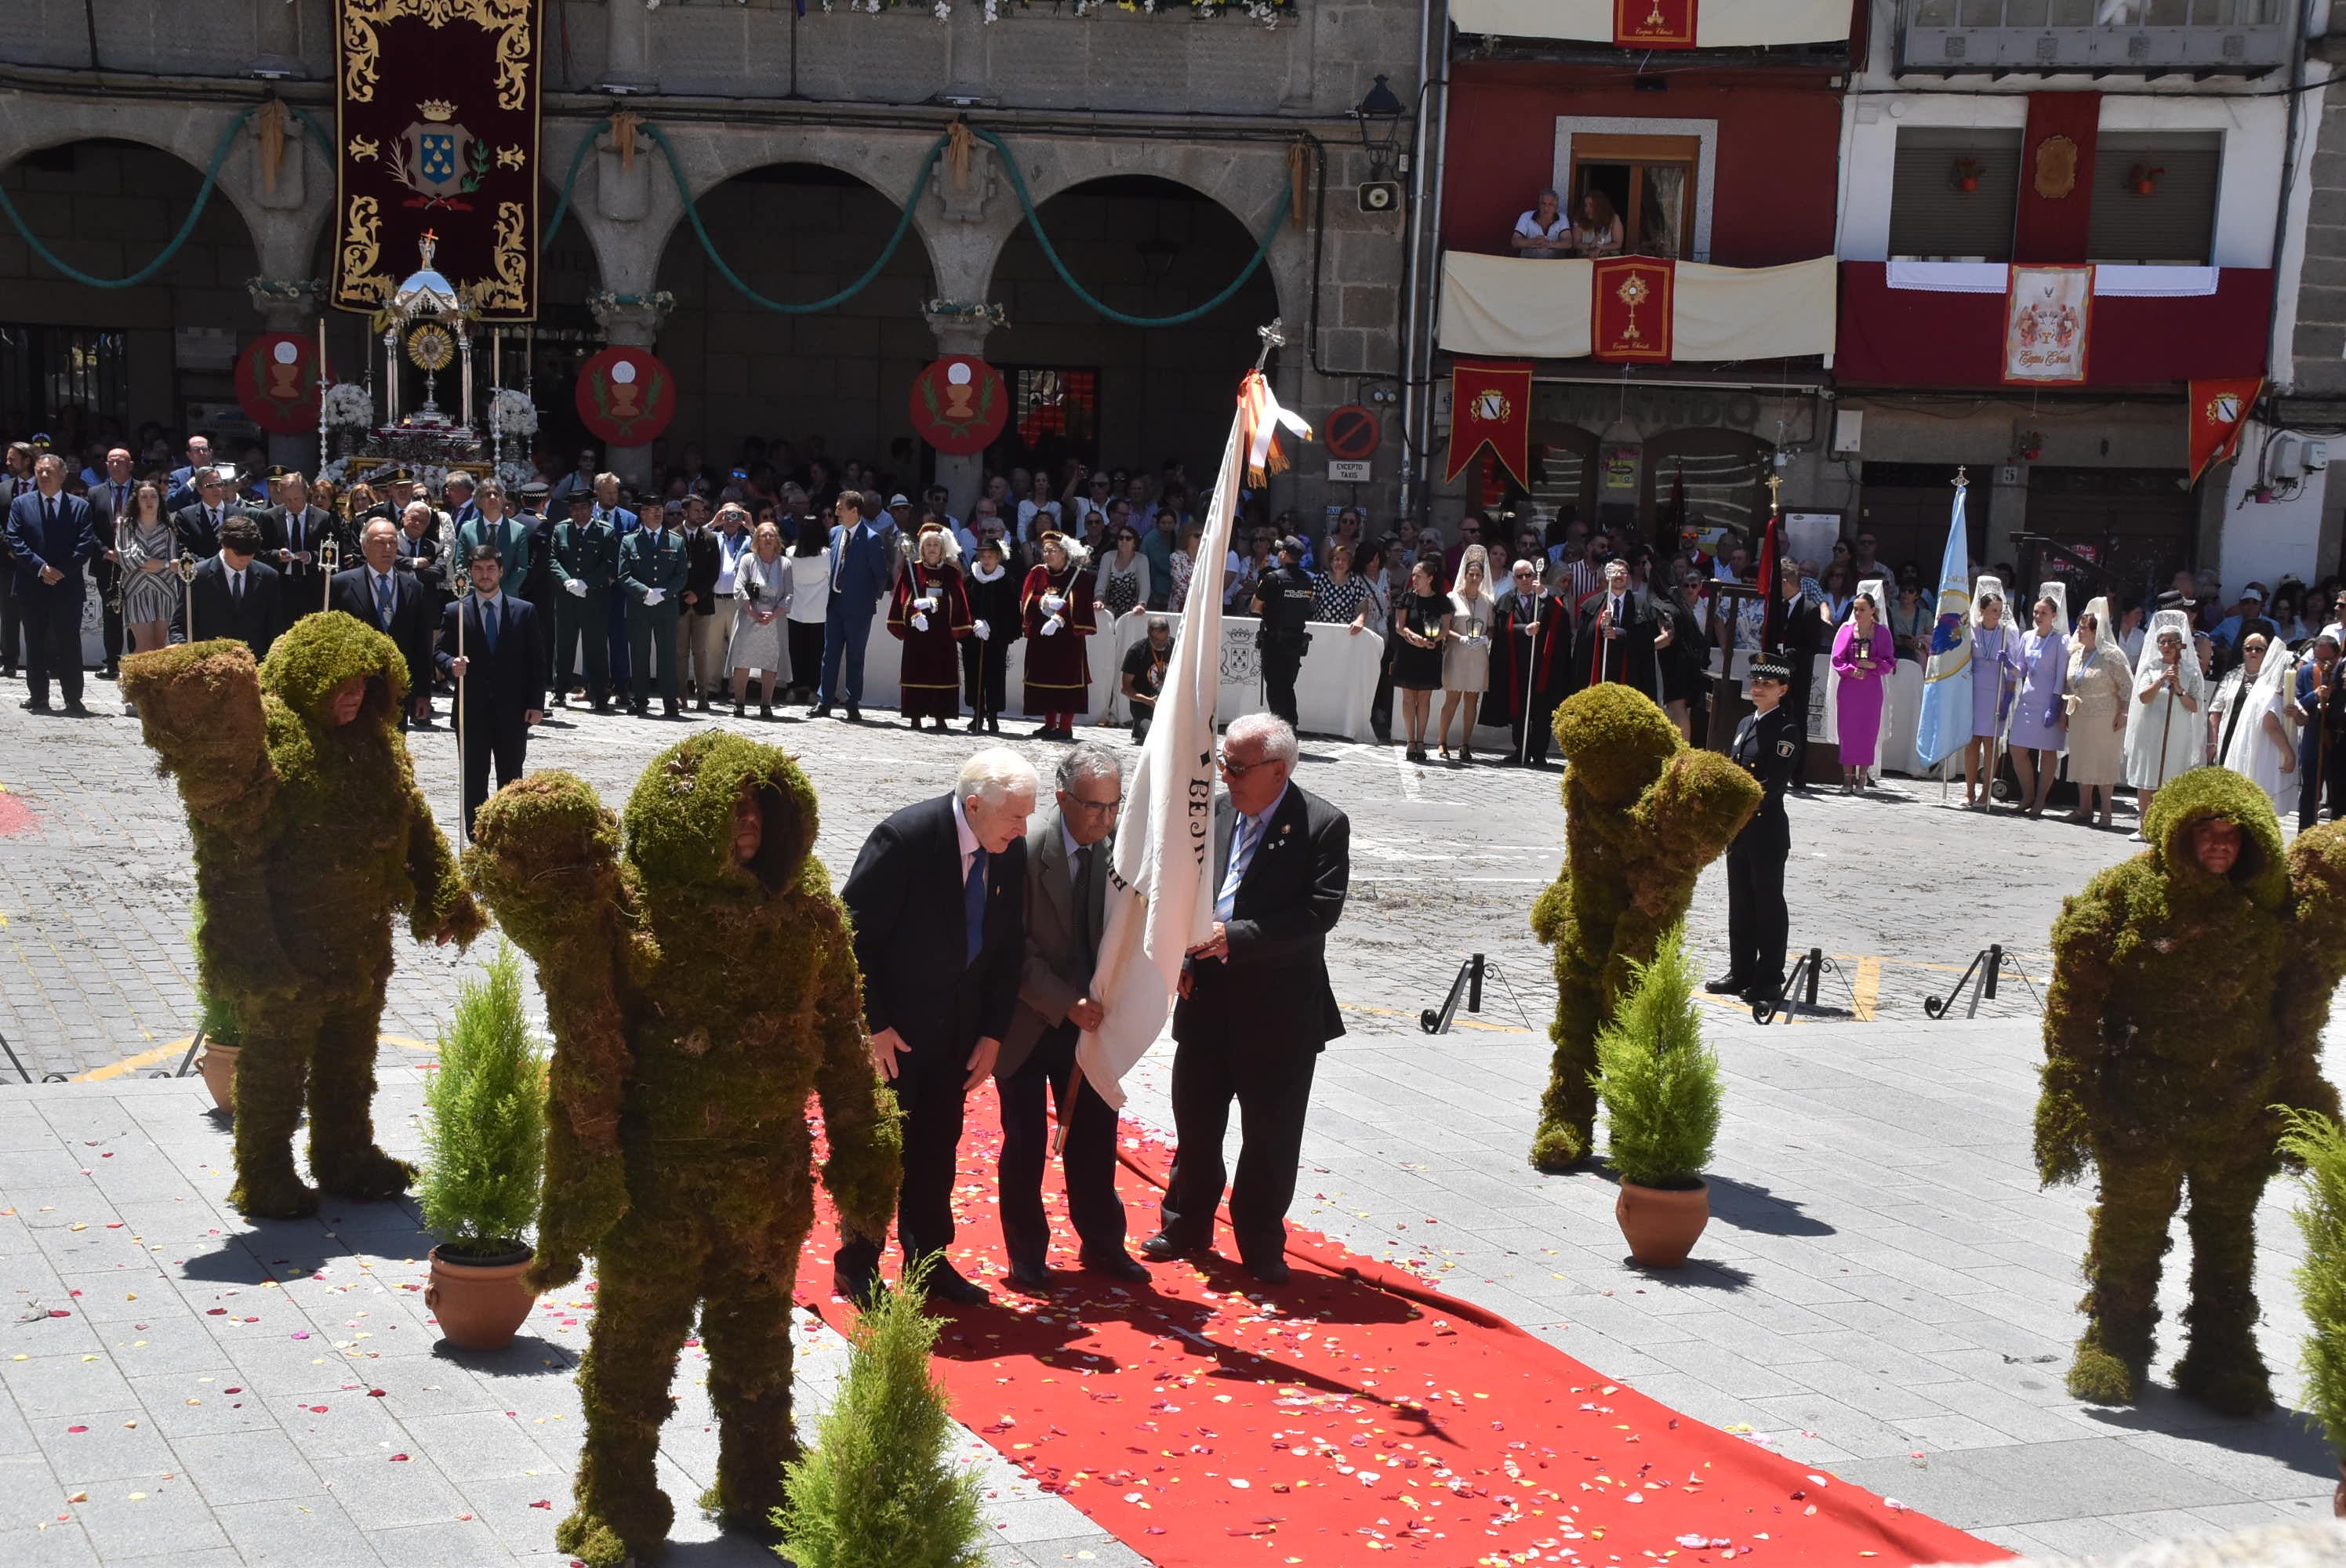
<point x="132" y="1063"/>
<point x="1867" y="988"/>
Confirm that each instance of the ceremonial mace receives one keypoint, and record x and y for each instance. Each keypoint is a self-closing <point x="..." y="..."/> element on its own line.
<point x="330" y="561"/>
<point x="1531" y="678"/>
<point x="2171" y="676"/>
<point x="188" y="577"/>
<point x="463" y="590"/>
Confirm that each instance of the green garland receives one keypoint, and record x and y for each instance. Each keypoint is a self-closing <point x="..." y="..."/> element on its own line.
<point x="695" y="1006"/>
<point x="1643" y="815"/>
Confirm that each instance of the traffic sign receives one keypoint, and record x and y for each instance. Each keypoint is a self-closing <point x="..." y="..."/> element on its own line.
<point x="1345" y="470"/>
<point x="1351" y="433"/>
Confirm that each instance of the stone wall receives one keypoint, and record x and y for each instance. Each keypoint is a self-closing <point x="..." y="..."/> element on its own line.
<point x="2320" y="346"/>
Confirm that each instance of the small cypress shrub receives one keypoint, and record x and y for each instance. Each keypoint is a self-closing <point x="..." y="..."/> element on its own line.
<point x="1658" y="1082"/>
<point x="484" y="1119"/>
<point x="878" y="1490"/>
<point x="2320" y="1145"/>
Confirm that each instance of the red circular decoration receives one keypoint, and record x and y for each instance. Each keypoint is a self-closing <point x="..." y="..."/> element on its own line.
<point x="1351" y="433"/>
<point x="627" y="396"/>
<point x="277" y="382"/>
<point x="959" y="405"/>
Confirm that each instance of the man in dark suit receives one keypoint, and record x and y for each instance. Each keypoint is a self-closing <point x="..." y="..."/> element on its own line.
<point x="1618" y="634"/>
<point x="861" y="575"/>
<point x="386" y="597"/>
<point x="938" y="897"/>
<point x="236" y="594"/>
<point x="51" y="538"/>
<point x="186" y="488"/>
<point x="291" y="534"/>
<point x="110" y="507"/>
<point x="16" y="481"/>
<point x="1255" y="1008"/>
<point x="500" y="676"/>
<point x="200" y="525"/>
<point x="1067" y="854"/>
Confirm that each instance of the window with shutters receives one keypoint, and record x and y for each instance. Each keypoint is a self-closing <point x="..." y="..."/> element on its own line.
<point x="2155" y="197"/>
<point x="1952" y="194"/>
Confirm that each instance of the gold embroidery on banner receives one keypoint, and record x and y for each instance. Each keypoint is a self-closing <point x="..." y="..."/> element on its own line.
<point x="365" y="149"/>
<point x="508" y="20"/>
<point x="361" y="250"/>
<point x="509" y="292"/>
<point x="511" y="157"/>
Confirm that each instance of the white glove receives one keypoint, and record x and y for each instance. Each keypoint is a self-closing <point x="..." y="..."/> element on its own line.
<point x="985" y="630"/>
<point x="924" y="605"/>
<point x="576" y="587"/>
<point x="1054" y="603"/>
<point x="1050" y="628"/>
<point x="653" y="597"/>
<point x="919" y="622"/>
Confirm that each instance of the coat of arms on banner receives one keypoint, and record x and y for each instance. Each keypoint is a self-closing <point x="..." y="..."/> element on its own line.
<point x="2048" y="325"/>
<point x="433" y="159"/>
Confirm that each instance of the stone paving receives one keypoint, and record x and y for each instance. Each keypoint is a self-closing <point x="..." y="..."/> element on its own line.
<point x="1883" y="1288"/>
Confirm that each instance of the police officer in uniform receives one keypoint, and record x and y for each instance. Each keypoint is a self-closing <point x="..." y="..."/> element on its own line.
<point x="585" y="562"/>
<point x="1768" y="747"/>
<point x="652" y="569"/>
<point x="1283" y="599"/>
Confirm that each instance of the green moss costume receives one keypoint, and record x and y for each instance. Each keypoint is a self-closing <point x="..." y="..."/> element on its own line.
<point x="2183" y="1008"/>
<point x="309" y="837"/>
<point x="1643" y="815"/>
<point x="695" y="1003"/>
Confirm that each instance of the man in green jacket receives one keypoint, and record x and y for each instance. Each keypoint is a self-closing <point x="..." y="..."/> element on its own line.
<point x="495" y="525"/>
<point x="585" y="562"/>
<point x="651" y="573"/>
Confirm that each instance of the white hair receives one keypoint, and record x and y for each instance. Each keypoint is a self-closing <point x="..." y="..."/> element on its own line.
<point x="1088" y="757"/>
<point x="994" y="773"/>
<point x="1278" y="736"/>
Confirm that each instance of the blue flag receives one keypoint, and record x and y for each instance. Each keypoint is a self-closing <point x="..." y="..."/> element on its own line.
<point x="1946" y="720"/>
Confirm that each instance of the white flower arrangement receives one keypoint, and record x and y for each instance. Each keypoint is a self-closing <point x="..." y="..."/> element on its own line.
<point x="335" y="473"/>
<point x="347" y="406"/>
<point x="511" y="414"/>
<point x="431" y="476"/>
<point x="515" y="474"/>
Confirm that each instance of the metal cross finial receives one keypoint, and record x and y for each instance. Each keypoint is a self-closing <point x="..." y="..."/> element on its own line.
<point x="1960" y="481"/>
<point x="1775" y="486"/>
<point x="1272" y="337"/>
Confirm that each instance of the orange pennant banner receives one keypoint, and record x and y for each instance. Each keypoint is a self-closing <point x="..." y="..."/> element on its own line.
<point x="1653" y="24"/>
<point x="1631" y="306"/>
<point x="2220" y="411"/>
<point x="1491" y="405"/>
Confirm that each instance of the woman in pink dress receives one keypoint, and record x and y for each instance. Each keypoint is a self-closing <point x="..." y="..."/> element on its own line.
<point x="1862" y="656"/>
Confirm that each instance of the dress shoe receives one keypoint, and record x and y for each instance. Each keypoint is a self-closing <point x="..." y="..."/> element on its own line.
<point x="862" y="1287"/>
<point x="820" y="710"/>
<point x="975" y="725"/>
<point x="671" y="708"/>
<point x="560" y="700"/>
<point x="854" y="714"/>
<point x="945" y="1284"/>
<point x="737" y="707"/>
<point x="110" y="671"/>
<point x="765" y="710"/>
<point x="1728" y="984"/>
<point x="1760" y="991"/>
<point x="1163" y="1249"/>
<point x="29" y="705"/>
<point x="1119" y="1266"/>
<point x="76" y="710"/>
<point x="704" y="704"/>
<point x="1271" y="1271"/>
<point x="640" y="709"/>
<point x="602" y="704"/>
<point x="1030" y="1277"/>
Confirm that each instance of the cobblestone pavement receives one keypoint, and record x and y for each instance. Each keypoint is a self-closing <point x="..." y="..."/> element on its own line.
<point x="1883" y="1289"/>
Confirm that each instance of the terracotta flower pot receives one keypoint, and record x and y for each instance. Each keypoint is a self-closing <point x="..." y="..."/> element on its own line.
<point x="479" y="1303"/>
<point x="218" y="1065"/>
<point x="2338" y="1497"/>
<point x="1968" y="182"/>
<point x="1662" y="1226"/>
<point x="2145" y="187"/>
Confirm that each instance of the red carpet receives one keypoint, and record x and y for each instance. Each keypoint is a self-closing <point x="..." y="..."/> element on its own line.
<point x="1207" y="1420"/>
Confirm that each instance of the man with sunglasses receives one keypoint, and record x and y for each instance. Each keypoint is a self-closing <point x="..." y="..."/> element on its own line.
<point x="1255" y="1008"/>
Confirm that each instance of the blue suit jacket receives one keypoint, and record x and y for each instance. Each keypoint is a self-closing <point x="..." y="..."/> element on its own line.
<point x="67" y="545"/>
<point x="859" y="571"/>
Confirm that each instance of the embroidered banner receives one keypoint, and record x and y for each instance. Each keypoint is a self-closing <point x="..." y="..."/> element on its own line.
<point x="277" y="382"/>
<point x="625" y="395"/>
<point x="1632" y="309"/>
<point x="959" y="405"/>
<point x="1491" y="405"/>
<point x="2048" y="316"/>
<point x="1653" y="24"/>
<point x="2220" y="411"/>
<point x="437" y="116"/>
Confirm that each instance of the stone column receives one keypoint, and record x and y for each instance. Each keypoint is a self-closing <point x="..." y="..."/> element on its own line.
<point x="635" y="323"/>
<point x="289" y="306"/>
<point x="961" y="476"/>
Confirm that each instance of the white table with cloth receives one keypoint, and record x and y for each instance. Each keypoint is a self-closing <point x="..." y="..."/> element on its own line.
<point x="1333" y="691"/>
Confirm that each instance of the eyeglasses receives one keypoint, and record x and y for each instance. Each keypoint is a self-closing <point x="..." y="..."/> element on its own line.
<point x="1096" y="808"/>
<point x="1240" y="770"/>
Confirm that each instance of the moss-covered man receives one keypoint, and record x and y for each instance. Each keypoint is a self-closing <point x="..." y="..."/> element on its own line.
<point x="1643" y="816"/>
<point x="310" y="836"/>
<point x="2190" y="985"/>
<point x="699" y="988"/>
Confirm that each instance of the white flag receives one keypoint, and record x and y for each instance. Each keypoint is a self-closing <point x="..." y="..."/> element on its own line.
<point x="1160" y="902"/>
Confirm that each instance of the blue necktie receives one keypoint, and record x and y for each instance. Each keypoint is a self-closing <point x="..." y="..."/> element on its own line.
<point x="973" y="907"/>
<point x="382" y="599"/>
<point x="489" y="624"/>
<point x="1243" y="840"/>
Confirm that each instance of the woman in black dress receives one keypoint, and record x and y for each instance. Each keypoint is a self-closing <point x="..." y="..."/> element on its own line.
<point x="1421" y="617"/>
<point x="994" y="625"/>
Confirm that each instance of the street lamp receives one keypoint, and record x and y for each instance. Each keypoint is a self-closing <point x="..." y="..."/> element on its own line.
<point x="1379" y="115"/>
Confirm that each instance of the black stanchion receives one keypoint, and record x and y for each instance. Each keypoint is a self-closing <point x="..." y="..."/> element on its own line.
<point x="1467" y="986"/>
<point x="1799" y="990"/>
<point x="188" y="1060"/>
<point x="12" y="1062"/>
<point x="1986" y="968"/>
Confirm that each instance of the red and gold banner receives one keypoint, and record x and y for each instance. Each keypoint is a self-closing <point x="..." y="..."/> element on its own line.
<point x="1653" y="24"/>
<point x="2055" y="209"/>
<point x="626" y="396"/>
<point x="1631" y="309"/>
<point x="277" y="382"/>
<point x="1491" y="406"/>
<point x="2220" y="411"/>
<point x="437" y="116"/>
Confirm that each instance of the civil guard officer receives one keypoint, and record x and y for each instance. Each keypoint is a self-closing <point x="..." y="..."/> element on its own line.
<point x="585" y="562"/>
<point x="1283" y="598"/>
<point x="1758" y="926"/>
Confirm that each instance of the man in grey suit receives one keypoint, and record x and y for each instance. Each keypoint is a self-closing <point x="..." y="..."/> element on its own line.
<point x="1067" y="852"/>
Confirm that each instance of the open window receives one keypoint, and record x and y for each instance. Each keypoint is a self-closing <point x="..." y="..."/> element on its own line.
<point x="1650" y="182"/>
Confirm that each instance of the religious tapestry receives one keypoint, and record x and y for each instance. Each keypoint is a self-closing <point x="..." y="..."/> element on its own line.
<point x="437" y="116"/>
<point x="2048" y="316"/>
<point x="1653" y="24"/>
<point x="1491" y="406"/>
<point x="1633" y="309"/>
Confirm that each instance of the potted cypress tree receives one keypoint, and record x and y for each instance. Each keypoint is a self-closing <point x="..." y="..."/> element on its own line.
<point x="485" y="1157"/>
<point x="2319" y="1145"/>
<point x="222" y="1044"/>
<point x="878" y="1487"/>
<point x="1659" y="1085"/>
